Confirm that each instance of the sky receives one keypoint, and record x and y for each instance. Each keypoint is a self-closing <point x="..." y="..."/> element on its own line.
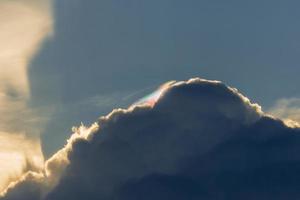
<point x="109" y="53"/>
<point x="67" y="62"/>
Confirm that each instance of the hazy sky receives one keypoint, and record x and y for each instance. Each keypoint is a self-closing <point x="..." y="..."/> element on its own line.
<point x="108" y="53"/>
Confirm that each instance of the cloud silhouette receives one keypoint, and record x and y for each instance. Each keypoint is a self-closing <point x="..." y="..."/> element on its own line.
<point x="199" y="140"/>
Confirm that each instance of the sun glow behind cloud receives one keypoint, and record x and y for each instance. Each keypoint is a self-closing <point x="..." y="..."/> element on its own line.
<point x="23" y="24"/>
<point x="287" y="109"/>
<point x="18" y="154"/>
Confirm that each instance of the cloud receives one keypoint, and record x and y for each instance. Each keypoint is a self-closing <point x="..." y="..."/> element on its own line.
<point x="197" y="139"/>
<point x="23" y="24"/>
<point x="18" y="154"/>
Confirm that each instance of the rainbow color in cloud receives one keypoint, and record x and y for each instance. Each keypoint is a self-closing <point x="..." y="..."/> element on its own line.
<point x="152" y="98"/>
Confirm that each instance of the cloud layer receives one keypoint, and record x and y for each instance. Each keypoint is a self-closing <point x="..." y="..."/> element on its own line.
<point x="198" y="139"/>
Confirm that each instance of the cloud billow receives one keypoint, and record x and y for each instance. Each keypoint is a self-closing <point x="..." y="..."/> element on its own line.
<point x="200" y="140"/>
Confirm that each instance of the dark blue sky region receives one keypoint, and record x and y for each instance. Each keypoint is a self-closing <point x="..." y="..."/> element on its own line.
<point x="108" y="53"/>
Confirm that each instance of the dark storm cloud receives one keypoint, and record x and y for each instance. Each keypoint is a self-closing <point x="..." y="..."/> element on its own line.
<point x="201" y="140"/>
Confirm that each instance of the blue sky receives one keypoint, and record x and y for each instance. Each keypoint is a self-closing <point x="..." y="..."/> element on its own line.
<point x="108" y="53"/>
